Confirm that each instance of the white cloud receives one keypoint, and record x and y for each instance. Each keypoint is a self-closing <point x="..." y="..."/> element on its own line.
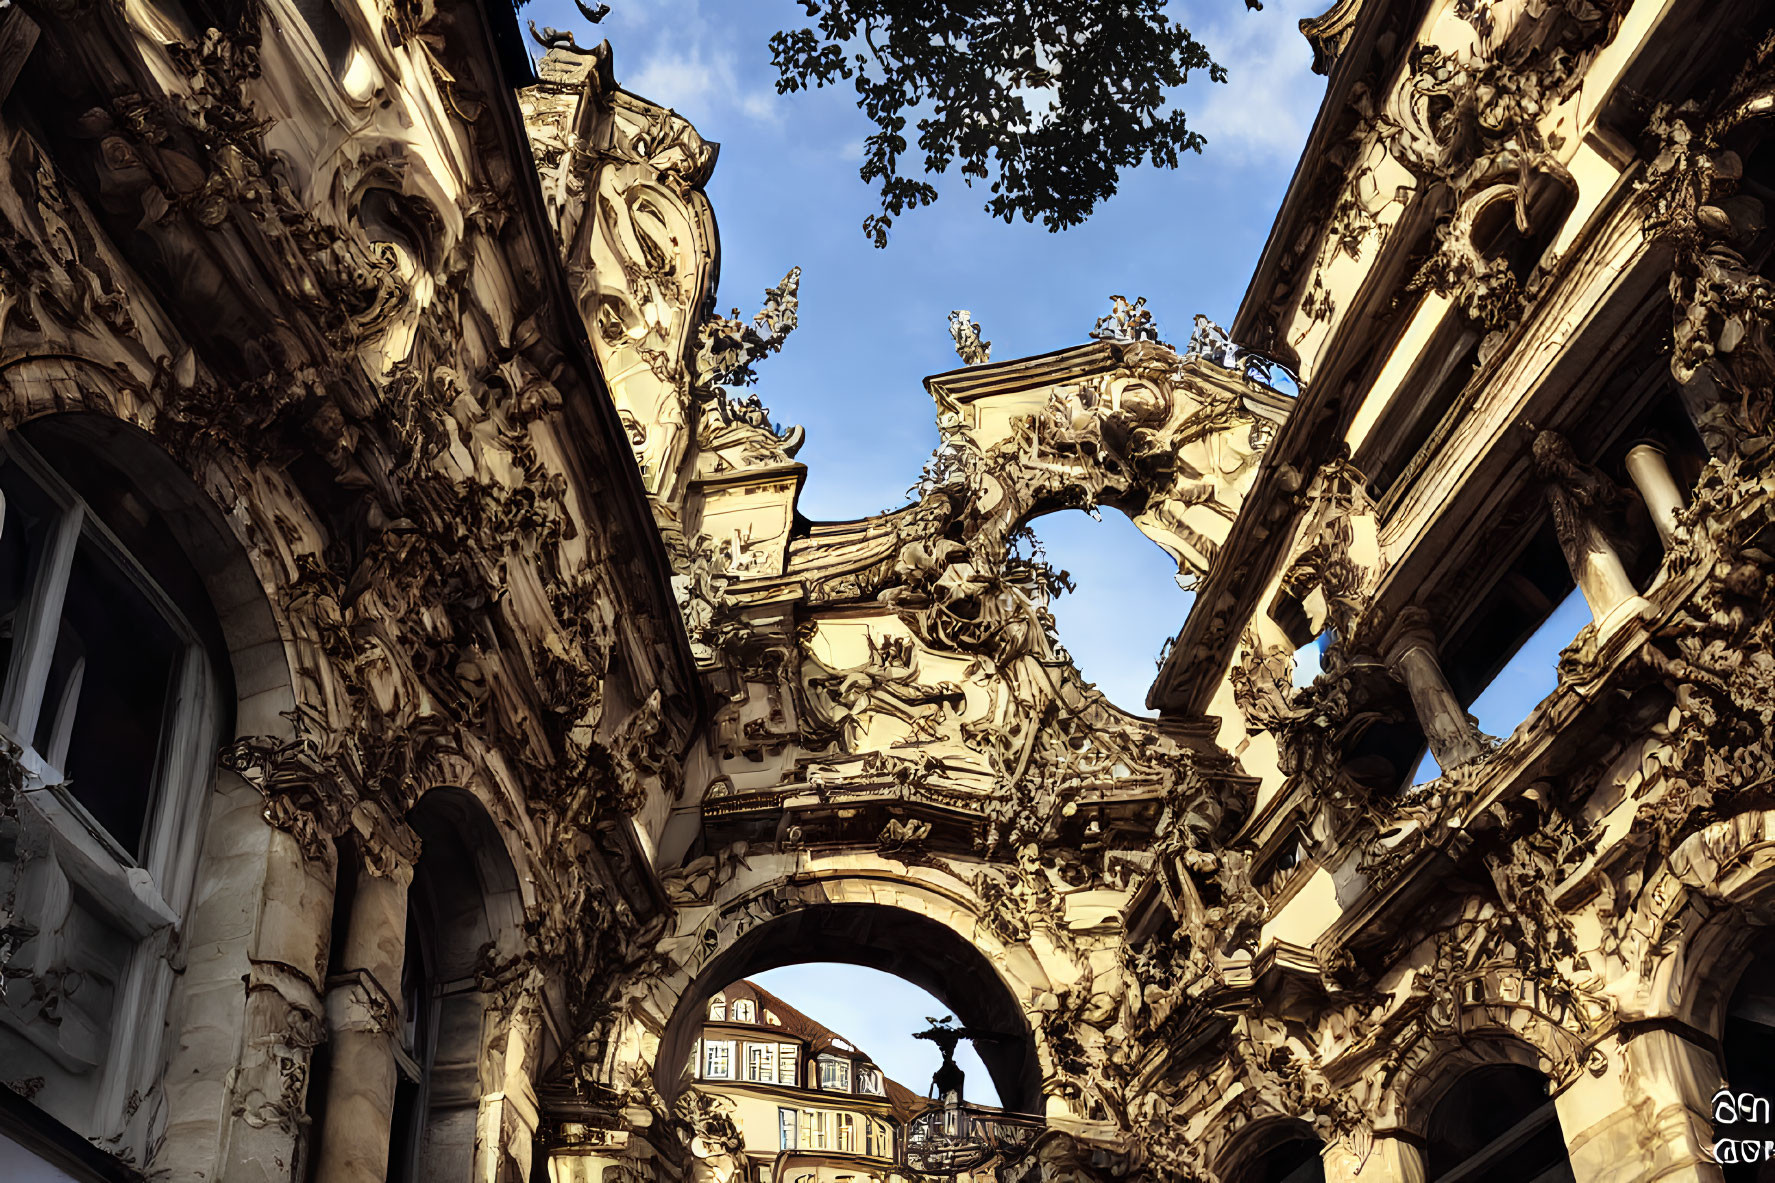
<point x="1262" y="113"/>
<point x="684" y="65"/>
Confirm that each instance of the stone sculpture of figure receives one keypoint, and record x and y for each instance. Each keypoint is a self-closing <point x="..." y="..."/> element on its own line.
<point x="946" y="1035"/>
<point x="714" y="1138"/>
<point x="1127" y="322"/>
<point x="1210" y="343"/>
<point x="973" y="349"/>
<point x="1582" y="497"/>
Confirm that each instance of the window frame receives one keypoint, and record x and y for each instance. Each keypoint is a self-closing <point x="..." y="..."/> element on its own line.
<point x="878" y="1140"/>
<point x="841" y="1069"/>
<point x="134" y="895"/>
<point x="745" y="1011"/>
<point x="725" y="1048"/>
<point x="26" y="679"/>
<point x="788" y="1128"/>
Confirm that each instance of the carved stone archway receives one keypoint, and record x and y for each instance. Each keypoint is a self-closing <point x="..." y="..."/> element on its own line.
<point x="895" y="940"/>
<point x="925" y="924"/>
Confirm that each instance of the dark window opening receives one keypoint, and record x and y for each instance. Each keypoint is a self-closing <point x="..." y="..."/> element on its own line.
<point x="1421" y="405"/>
<point x="1496" y="234"/>
<point x="1298" y="1158"/>
<point x="1748" y="1041"/>
<point x="1386" y="753"/>
<point x="330" y="31"/>
<point x="110" y="683"/>
<point x="99" y="660"/>
<point x="413" y="1061"/>
<point x="1497" y="1123"/>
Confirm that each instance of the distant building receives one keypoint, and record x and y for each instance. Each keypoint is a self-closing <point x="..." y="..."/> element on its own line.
<point x="813" y="1107"/>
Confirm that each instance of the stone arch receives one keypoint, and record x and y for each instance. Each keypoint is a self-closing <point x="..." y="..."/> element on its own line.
<point x="1482" y="1113"/>
<point x="928" y="930"/>
<point x="1715" y="894"/>
<point x="76" y="397"/>
<point x="1171" y="441"/>
<point x="904" y="943"/>
<point x="1432" y="1067"/>
<point x="1260" y="1151"/>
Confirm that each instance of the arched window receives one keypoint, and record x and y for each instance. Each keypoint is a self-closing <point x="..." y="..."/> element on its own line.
<point x="104" y="675"/>
<point x="718" y="1009"/>
<point x="745" y="1011"/>
<point x="464" y="903"/>
<point x="111" y="708"/>
<point x="1497" y="1122"/>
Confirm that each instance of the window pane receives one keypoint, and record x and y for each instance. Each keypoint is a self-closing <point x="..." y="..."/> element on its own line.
<point x="115" y="656"/>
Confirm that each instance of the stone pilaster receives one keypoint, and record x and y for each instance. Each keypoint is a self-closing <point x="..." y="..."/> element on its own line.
<point x="1645" y="1116"/>
<point x="249" y="1002"/>
<point x="1389" y="1160"/>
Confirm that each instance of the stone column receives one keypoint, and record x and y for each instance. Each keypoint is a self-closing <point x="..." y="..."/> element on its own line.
<point x="1581" y="497"/>
<point x="1413" y="656"/>
<point x="507" y="1119"/>
<point x="363" y="1021"/>
<point x="1390" y="1159"/>
<point x="1650" y="470"/>
<point x="1645" y="1116"/>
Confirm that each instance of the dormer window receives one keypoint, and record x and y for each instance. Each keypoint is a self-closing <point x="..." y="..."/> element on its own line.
<point x="835" y="1074"/>
<point x="770" y="1016"/>
<point x="745" y="1011"/>
<point x="718" y="1009"/>
<point x="869" y="1080"/>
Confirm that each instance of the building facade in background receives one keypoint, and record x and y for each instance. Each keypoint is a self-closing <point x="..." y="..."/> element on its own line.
<point x="422" y="701"/>
<point x="811" y="1107"/>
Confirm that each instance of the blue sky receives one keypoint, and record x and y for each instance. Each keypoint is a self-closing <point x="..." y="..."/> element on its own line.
<point x="878" y="1013"/>
<point x="874" y="323"/>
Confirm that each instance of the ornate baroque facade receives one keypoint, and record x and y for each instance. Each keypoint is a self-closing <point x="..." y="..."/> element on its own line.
<point x="422" y="698"/>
